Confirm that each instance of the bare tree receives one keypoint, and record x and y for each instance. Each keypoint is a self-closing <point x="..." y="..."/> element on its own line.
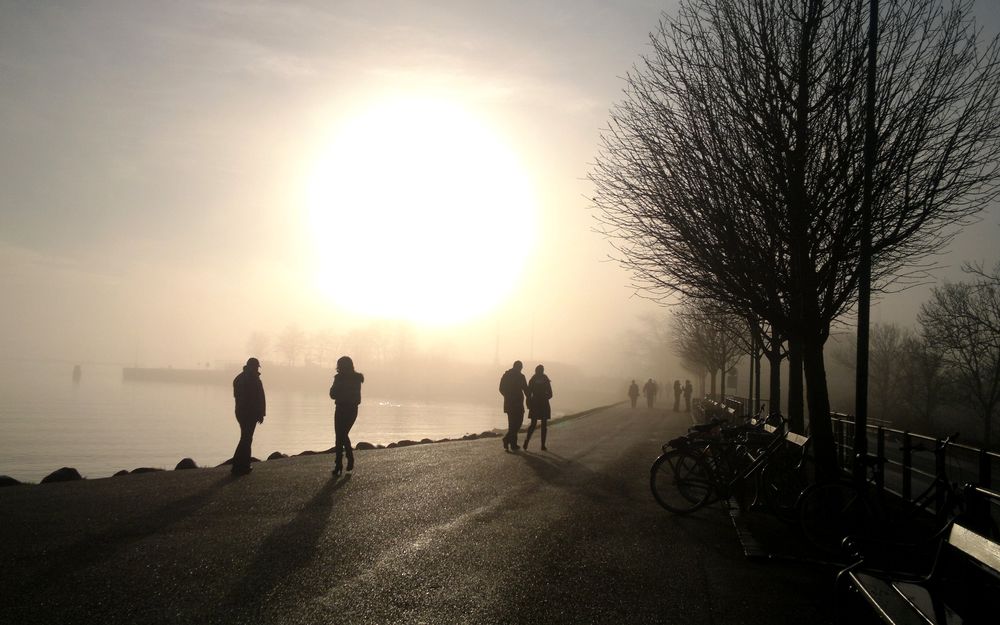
<point x="962" y="320"/>
<point x="926" y="379"/>
<point x="732" y="169"/>
<point x="708" y="336"/>
<point x="292" y="343"/>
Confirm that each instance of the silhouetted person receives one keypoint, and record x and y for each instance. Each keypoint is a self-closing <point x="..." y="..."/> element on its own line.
<point x="346" y="395"/>
<point x="688" y="389"/>
<point x="248" y="391"/>
<point x="677" y="395"/>
<point x="539" y="394"/>
<point x="77" y="374"/>
<point x="513" y="387"/>
<point x="649" y="390"/>
<point x="633" y="393"/>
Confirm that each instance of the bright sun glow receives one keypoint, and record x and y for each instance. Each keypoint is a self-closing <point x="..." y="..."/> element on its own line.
<point x="420" y="212"/>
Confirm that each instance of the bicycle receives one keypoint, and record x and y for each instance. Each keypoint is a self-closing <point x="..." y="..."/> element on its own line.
<point x="694" y="471"/>
<point x="829" y="512"/>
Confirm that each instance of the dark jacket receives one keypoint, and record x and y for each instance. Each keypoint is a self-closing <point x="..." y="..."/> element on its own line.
<point x="248" y="391"/>
<point x="346" y="388"/>
<point x="513" y="387"/>
<point x="633" y="390"/>
<point x="539" y="394"/>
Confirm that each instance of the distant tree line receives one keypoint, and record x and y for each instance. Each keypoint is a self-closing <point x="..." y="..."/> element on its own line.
<point x="375" y="344"/>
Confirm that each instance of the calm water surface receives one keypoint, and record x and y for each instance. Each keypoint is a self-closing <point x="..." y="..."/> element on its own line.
<point x="102" y="424"/>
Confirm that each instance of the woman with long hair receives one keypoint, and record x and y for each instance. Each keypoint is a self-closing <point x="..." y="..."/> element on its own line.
<point x="346" y="394"/>
<point x="539" y="394"/>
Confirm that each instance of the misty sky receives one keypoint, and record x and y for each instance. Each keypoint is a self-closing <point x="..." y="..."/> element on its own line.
<point x="154" y="155"/>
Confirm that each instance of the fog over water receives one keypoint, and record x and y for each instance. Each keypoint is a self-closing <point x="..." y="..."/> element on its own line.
<point x="158" y="208"/>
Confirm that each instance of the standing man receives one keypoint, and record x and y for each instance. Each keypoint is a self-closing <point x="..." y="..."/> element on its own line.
<point x="677" y="395"/>
<point x="688" y="389"/>
<point x="633" y="393"/>
<point x="250" y="409"/>
<point x="513" y="387"/>
<point x="649" y="390"/>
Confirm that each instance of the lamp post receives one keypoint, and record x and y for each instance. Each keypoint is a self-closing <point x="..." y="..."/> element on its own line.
<point x="865" y="262"/>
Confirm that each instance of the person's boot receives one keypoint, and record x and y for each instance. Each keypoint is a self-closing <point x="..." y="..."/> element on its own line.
<point x="525" y="443"/>
<point x="350" y="462"/>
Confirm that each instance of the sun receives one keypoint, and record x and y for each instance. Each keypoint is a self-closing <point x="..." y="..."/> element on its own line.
<point x="420" y="211"/>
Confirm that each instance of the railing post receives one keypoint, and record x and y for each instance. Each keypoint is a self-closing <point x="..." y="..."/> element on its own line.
<point x="907" y="465"/>
<point x="838" y="435"/>
<point x="880" y="456"/>
<point x="985" y="469"/>
<point x="939" y="472"/>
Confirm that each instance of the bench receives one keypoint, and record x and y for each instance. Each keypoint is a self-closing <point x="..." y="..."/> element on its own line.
<point x="962" y="585"/>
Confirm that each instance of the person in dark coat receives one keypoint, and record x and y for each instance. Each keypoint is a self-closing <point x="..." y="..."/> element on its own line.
<point x="633" y="393"/>
<point x="649" y="389"/>
<point x="677" y="395"/>
<point x="513" y="387"/>
<point x="688" y="389"/>
<point x="346" y="395"/>
<point x="248" y="391"/>
<point x="539" y="394"/>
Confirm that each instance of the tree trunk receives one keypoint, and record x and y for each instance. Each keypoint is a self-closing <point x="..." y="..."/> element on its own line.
<point x="774" y="360"/>
<point x="820" y="428"/>
<point x="796" y="411"/>
<point x="713" y="374"/>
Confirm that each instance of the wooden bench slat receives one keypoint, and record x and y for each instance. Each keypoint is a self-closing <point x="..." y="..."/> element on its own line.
<point x="984" y="550"/>
<point x="891" y="605"/>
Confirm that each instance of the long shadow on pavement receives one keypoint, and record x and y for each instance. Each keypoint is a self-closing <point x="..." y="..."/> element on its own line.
<point x="94" y="548"/>
<point x="287" y="549"/>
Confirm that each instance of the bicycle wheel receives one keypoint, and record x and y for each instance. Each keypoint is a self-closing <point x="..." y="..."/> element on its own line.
<point x="680" y="481"/>
<point x="782" y="483"/>
<point x="830" y="512"/>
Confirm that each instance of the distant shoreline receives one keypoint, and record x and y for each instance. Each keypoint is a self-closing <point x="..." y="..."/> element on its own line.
<point x="360" y="446"/>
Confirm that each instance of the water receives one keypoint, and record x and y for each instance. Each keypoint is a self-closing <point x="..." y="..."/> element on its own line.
<point x="103" y="424"/>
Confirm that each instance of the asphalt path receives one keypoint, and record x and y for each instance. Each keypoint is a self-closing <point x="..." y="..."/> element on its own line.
<point x="459" y="532"/>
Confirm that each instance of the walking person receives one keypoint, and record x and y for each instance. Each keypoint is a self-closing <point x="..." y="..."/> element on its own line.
<point x="688" y="389"/>
<point x="649" y="390"/>
<point x="677" y="395"/>
<point x="633" y="393"/>
<point x="346" y="395"/>
<point x="513" y="387"/>
<point x="539" y="394"/>
<point x="248" y="391"/>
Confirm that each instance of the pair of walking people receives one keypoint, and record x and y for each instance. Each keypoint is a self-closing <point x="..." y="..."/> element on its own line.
<point x="515" y="390"/>
<point x="248" y="391"/>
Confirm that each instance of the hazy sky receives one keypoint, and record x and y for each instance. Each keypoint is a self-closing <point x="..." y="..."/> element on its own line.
<point x="155" y="160"/>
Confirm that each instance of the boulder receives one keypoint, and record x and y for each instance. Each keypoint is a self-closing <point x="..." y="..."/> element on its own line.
<point x="65" y="474"/>
<point x="443" y="440"/>
<point x="391" y="446"/>
<point x="470" y="437"/>
<point x="489" y="435"/>
<point x="362" y="446"/>
<point x="120" y="473"/>
<point x="380" y="446"/>
<point x="425" y="441"/>
<point x="6" y="480"/>
<point x="406" y="443"/>
<point x="145" y="470"/>
<point x="307" y="453"/>
<point x="277" y="456"/>
<point x="186" y="463"/>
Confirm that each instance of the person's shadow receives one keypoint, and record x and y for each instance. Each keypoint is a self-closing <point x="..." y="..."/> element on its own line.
<point x="287" y="549"/>
<point x="94" y="548"/>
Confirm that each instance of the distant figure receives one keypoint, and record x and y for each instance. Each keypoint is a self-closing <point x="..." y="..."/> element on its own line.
<point x="633" y="393"/>
<point x="248" y="391"/>
<point x="688" y="389"/>
<point x="513" y="387"/>
<point x="346" y="395"/>
<point x="649" y="390"/>
<point x="539" y="394"/>
<point x="77" y="374"/>
<point x="677" y="395"/>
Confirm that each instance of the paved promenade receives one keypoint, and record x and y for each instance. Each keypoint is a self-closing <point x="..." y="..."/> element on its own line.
<point x="448" y="533"/>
